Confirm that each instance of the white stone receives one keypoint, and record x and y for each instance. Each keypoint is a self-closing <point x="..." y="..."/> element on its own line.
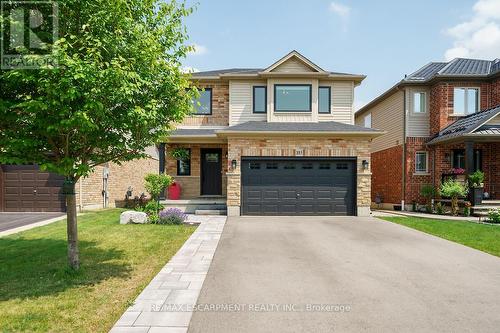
<point x="131" y="216"/>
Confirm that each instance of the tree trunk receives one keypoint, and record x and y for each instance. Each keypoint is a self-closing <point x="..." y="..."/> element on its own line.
<point x="72" y="228"/>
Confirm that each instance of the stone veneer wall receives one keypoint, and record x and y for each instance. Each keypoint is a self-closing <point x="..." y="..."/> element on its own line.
<point x="190" y="185"/>
<point x="89" y="189"/>
<point x="308" y="147"/>
<point x="220" y="106"/>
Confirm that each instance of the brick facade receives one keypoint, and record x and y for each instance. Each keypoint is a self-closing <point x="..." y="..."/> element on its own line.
<point x="190" y="185"/>
<point x="220" y="106"/>
<point x="309" y="147"/>
<point x="441" y="101"/>
<point x="121" y="177"/>
<point x="387" y="174"/>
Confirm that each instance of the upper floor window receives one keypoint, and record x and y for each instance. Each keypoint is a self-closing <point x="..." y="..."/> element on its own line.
<point x="292" y="98"/>
<point x="259" y="99"/>
<point x="465" y="100"/>
<point x="324" y="99"/>
<point x="368" y="120"/>
<point x="419" y="103"/>
<point x="203" y="105"/>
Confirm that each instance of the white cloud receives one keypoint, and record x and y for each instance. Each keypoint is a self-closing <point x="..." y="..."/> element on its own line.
<point x="189" y="69"/>
<point x="199" y="50"/>
<point x="478" y="37"/>
<point x="341" y="10"/>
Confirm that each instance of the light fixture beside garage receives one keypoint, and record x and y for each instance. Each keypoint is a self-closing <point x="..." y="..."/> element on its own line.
<point x="234" y="164"/>
<point x="365" y="164"/>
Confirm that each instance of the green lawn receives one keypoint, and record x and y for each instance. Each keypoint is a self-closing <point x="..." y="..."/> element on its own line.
<point x="479" y="236"/>
<point x="38" y="293"/>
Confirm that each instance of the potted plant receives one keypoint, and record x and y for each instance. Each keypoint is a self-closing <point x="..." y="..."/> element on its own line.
<point x="476" y="180"/>
<point x="454" y="190"/>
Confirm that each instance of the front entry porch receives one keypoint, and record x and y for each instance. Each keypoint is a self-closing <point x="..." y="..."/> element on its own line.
<point x="460" y="159"/>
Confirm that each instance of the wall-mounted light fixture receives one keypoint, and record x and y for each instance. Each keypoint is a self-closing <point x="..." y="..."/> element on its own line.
<point x="234" y="164"/>
<point x="365" y="164"/>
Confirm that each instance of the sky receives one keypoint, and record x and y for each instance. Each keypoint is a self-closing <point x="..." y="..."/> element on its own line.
<point x="382" y="39"/>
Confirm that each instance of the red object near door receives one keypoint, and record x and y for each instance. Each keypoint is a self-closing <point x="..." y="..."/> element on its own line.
<point x="174" y="191"/>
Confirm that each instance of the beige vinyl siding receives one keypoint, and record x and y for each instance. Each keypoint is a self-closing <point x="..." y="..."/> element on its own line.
<point x="241" y="102"/>
<point x="387" y="116"/>
<point x="418" y="124"/>
<point x="342" y="96"/>
<point x="494" y="121"/>
<point x="293" y="65"/>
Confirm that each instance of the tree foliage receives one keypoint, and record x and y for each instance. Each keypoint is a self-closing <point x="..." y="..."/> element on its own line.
<point x="116" y="90"/>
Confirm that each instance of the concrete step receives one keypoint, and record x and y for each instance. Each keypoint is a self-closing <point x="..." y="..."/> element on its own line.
<point x="210" y="212"/>
<point x="490" y="203"/>
<point x="484" y="208"/>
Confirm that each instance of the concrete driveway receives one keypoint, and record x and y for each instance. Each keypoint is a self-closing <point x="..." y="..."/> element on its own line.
<point x="389" y="278"/>
<point x="10" y="221"/>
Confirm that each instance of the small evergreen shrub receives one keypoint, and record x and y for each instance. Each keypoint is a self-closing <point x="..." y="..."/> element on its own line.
<point x="439" y="208"/>
<point x="454" y="190"/>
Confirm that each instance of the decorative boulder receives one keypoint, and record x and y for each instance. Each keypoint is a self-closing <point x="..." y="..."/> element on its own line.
<point x="131" y="216"/>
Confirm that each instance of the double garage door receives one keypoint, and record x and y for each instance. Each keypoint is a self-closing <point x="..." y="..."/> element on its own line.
<point x="298" y="186"/>
<point x="27" y="189"/>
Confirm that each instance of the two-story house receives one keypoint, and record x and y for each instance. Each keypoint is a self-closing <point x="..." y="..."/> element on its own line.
<point x="442" y="120"/>
<point x="279" y="140"/>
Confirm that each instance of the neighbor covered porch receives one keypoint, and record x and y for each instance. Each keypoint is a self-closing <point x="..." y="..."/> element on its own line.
<point x="469" y="144"/>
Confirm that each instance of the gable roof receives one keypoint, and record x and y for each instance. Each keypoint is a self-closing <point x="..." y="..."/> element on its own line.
<point x="472" y="125"/>
<point x="268" y="71"/>
<point x="456" y="68"/>
<point x="297" y="55"/>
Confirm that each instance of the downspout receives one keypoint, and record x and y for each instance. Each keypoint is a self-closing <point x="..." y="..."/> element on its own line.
<point x="403" y="185"/>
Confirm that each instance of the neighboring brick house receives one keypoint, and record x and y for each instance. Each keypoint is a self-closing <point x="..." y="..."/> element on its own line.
<point x="24" y="188"/>
<point x="418" y="114"/>
<point x="279" y="140"/>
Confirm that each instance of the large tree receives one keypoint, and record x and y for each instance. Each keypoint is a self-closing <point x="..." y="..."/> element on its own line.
<point x="116" y="90"/>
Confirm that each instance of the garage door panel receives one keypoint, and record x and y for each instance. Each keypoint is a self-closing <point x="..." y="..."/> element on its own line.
<point x="27" y="189"/>
<point x="298" y="187"/>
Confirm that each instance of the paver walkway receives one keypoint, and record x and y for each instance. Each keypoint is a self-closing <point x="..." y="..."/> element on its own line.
<point x="165" y="305"/>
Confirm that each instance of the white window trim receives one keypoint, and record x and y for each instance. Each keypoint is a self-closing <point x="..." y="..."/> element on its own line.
<point x="465" y="101"/>
<point x="413" y="102"/>
<point x="420" y="172"/>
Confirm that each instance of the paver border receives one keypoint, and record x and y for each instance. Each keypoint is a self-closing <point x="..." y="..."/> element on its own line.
<point x="165" y="305"/>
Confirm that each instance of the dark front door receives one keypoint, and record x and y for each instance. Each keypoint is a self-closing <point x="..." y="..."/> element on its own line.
<point x="27" y="189"/>
<point x="298" y="186"/>
<point x="211" y="171"/>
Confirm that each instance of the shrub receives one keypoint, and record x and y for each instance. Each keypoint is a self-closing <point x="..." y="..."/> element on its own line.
<point x="172" y="216"/>
<point x="428" y="192"/>
<point x="466" y="211"/>
<point x="152" y="208"/>
<point x="454" y="190"/>
<point x="476" y="178"/>
<point x="494" y="215"/>
<point x="439" y="208"/>
<point x="156" y="184"/>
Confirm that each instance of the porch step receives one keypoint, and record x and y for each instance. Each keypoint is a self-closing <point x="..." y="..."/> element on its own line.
<point x="490" y="203"/>
<point x="210" y="212"/>
<point x="483" y="209"/>
<point x="190" y="206"/>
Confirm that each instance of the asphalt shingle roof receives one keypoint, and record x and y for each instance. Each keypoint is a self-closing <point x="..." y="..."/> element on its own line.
<point x="193" y="132"/>
<point x="467" y="125"/>
<point x="326" y="126"/>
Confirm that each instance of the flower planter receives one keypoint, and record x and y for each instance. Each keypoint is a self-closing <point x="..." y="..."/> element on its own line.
<point x="477" y="195"/>
<point x="174" y="191"/>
